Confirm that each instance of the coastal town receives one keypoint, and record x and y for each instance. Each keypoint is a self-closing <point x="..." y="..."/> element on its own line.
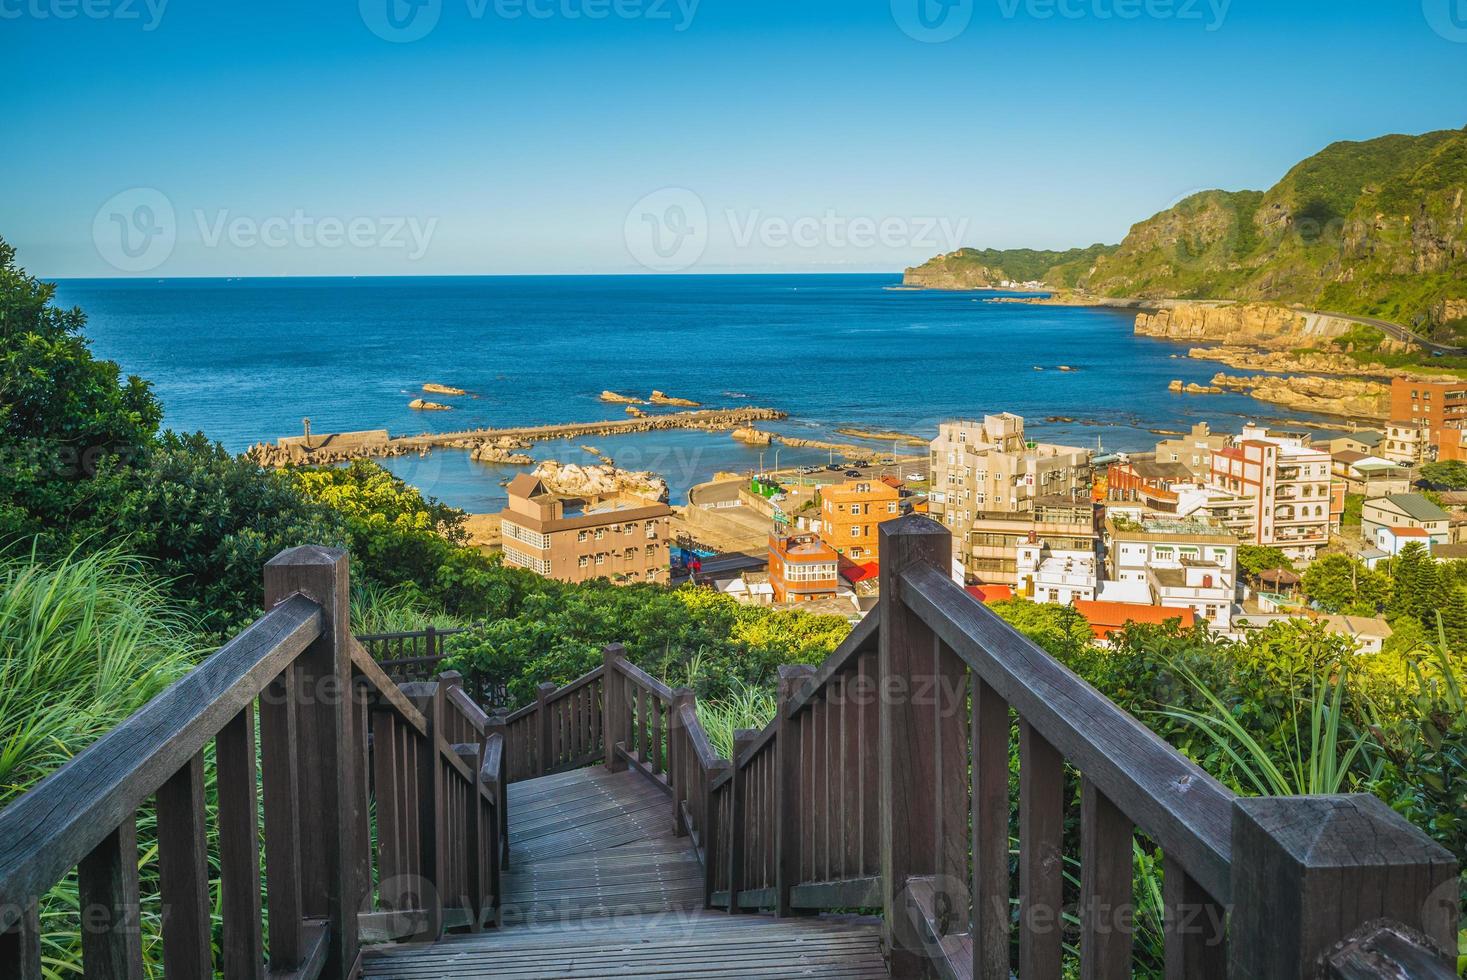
<point x="1139" y="537"/>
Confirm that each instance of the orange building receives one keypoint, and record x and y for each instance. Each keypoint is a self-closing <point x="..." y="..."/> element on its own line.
<point x="802" y="567"/>
<point x="850" y="512"/>
<point x="1442" y="405"/>
<point x="1106" y="618"/>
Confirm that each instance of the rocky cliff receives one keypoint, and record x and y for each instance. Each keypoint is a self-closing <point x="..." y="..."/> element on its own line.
<point x="1242" y="323"/>
<point x="1367" y="400"/>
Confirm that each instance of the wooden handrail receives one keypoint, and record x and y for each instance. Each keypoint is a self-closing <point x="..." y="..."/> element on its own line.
<point x="588" y="677"/>
<point x="382" y="685"/>
<point x="60" y="820"/>
<point x="1171" y="798"/>
<point x="862" y="639"/>
<point x="645" y="680"/>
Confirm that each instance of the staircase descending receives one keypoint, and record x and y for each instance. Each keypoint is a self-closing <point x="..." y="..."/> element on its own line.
<point x="595" y="832"/>
<point x="600" y="886"/>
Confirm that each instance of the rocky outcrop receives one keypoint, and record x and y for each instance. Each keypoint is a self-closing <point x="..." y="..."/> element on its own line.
<point x="635" y="412"/>
<point x="620" y="399"/>
<point x="662" y="398"/>
<point x="497" y="454"/>
<point x="275" y="456"/>
<point x="1307" y="361"/>
<point x="574" y="480"/>
<point x="1327" y="396"/>
<point x="753" y="436"/>
<point x="433" y="389"/>
<point x="1242" y="323"/>
<point x="1193" y="388"/>
<point x="1448" y="311"/>
<point x="421" y="405"/>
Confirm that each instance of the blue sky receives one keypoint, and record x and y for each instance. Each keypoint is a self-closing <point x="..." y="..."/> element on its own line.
<point x="224" y="137"/>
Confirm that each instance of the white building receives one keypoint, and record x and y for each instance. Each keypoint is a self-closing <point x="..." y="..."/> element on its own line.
<point x="1056" y="576"/>
<point x="1275" y="490"/>
<point x="1183" y="563"/>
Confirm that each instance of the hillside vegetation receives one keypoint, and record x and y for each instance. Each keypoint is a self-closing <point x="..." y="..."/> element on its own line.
<point x="1375" y="228"/>
<point x="980" y="268"/>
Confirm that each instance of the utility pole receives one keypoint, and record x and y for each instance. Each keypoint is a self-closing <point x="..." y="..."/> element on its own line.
<point x="306" y="423"/>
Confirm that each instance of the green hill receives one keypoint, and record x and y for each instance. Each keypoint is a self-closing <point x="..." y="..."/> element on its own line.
<point x="979" y="268"/>
<point x="1376" y="228"/>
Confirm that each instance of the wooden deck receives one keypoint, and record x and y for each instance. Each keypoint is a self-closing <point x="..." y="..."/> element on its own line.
<point x="599" y="886"/>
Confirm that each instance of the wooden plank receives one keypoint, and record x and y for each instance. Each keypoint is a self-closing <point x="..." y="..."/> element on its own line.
<point x="278" y="753"/>
<point x="183" y="873"/>
<point x="910" y="796"/>
<point x="431" y="869"/>
<point x="20" y="944"/>
<point x="1195" y="937"/>
<point x="1106" y="898"/>
<point x="48" y="830"/>
<point x="787" y="797"/>
<point x="1041" y="854"/>
<point x="1310" y="870"/>
<point x="384" y="689"/>
<point x="107" y="894"/>
<point x="387" y="791"/>
<point x="242" y="950"/>
<point x="990" y="792"/>
<point x="325" y="769"/>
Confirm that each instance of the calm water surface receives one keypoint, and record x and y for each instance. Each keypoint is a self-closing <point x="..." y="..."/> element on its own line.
<point x="246" y="360"/>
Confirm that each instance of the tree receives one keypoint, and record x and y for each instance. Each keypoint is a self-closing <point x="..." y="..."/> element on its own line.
<point x="1254" y="559"/>
<point x="64" y="414"/>
<point x="1445" y="475"/>
<point x="1416" y="585"/>
<point x="1344" y="585"/>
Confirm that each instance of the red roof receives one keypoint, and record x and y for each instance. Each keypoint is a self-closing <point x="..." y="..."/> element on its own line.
<point x="1408" y="532"/>
<point x="1107" y="617"/>
<point x="990" y="593"/>
<point x="859" y="573"/>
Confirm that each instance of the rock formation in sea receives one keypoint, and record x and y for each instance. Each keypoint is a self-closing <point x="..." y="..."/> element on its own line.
<point x="1328" y="396"/>
<point x="573" y="479"/>
<point x="421" y="405"/>
<point x="490" y="453"/>
<point x="662" y="398"/>
<point x="435" y="389"/>
<point x="753" y="436"/>
<point x="618" y="398"/>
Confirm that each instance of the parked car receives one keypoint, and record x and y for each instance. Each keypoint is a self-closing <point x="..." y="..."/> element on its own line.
<point x="917" y="476"/>
<point x="834" y="467"/>
<point x="853" y="473"/>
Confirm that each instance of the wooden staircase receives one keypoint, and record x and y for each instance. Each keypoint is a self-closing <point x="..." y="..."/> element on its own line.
<point x="600" y="886"/>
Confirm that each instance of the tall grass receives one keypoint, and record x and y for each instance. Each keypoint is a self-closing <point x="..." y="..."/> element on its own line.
<point x="84" y="642"/>
<point x="395" y="609"/>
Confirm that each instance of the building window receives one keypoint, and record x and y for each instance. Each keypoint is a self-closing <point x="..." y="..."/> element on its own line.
<point x="582" y="535"/>
<point x="583" y="562"/>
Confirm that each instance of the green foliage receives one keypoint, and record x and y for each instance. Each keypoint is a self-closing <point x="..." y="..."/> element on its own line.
<point x="85" y="641"/>
<point x="743" y="708"/>
<point x="558" y="631"/>
<point x="1060" y="630"/>
<point x="1055" y="268"/>
<point x="1446" y="475"/>
<point x="1254" y="559"/>
<point x="1339" y="584"/>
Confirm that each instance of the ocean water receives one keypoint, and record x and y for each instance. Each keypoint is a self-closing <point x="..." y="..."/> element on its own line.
<point x="246" y="360"/>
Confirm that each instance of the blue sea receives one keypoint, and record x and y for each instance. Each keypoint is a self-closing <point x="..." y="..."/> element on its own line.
<point x="246" y="360"/>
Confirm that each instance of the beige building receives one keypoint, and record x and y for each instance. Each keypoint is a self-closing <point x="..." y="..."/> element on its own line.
<point x="622" y="538"/>
<point x="1275" y="490"/>
<point x="1193" y="450"/>
<point x="990" y="549"/>
<point x="986" y="477"/>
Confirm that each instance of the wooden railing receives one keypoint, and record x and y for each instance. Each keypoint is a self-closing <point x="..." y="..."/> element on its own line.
<point x="338" y="743"/>
<point x="884" y="782"/>
<point x="415" y="655"/>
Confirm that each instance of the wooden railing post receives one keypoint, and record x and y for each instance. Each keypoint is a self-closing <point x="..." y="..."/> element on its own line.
<point x="1308" y="871"/>
<point x="498" y="726"/>
<point x="431" y="859"/>
<point x="614" y="707"/>
<point x="325" y="770"/>
<point x="737" y="826"/>
<point x="922" y="725"/>
<point x="787" y="800"/>
<point x="544" y="728"/>
<point x="683" y="762"/>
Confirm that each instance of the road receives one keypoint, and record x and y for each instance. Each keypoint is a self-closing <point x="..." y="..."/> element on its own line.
<point x="1398" y="332"/>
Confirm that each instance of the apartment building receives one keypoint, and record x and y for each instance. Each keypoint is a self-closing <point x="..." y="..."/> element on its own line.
<point x="850" y="513"/>
<point x="986" y="481"/>
<point x="1142" y="478"/>
<point x="1193" y="450"/>
<point x="1054" y="576"/>
<point x="1184" y="563"/>
<point x="1409" y="512"/>
<point x="1275" y="490"/>
<point x="991" y="548"/>
<point x="573" y="539"/>
<point x="1440" y="405"/>
<point x="802" y="568"/>
<point x="1407" y="442"/>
